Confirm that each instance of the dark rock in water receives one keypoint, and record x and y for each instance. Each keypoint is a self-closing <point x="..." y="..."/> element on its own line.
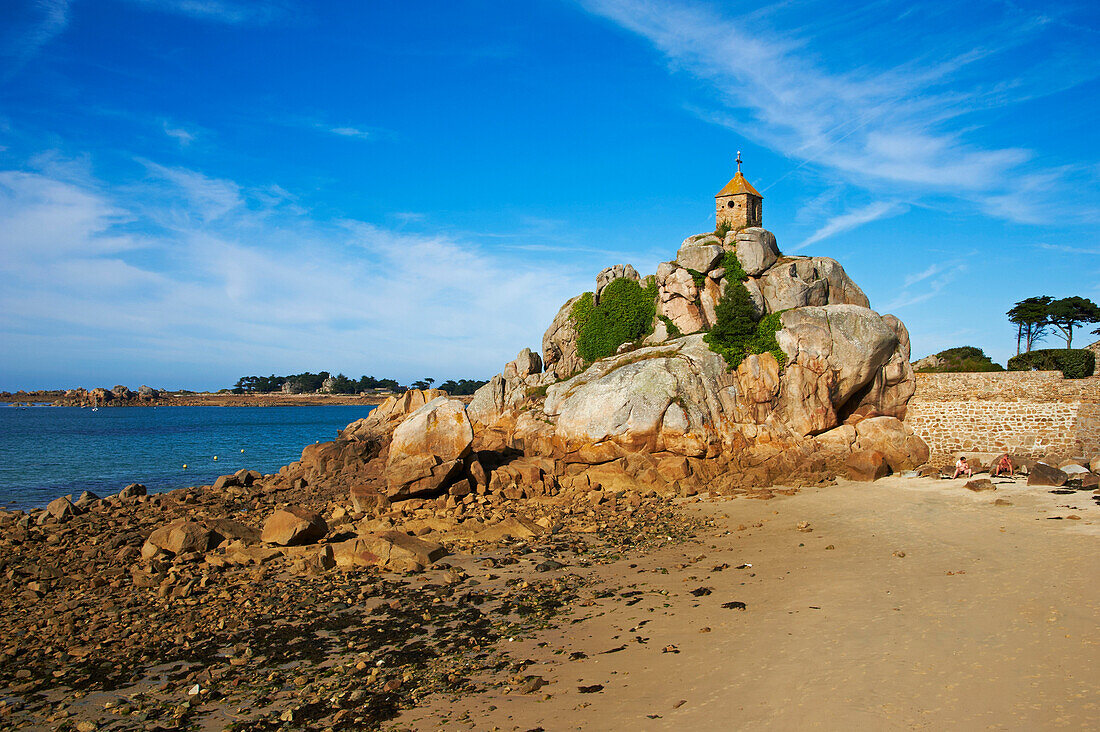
<point x="1043" y="474"/>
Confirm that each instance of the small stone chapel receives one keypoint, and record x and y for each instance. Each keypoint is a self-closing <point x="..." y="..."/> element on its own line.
<point x="739" y="204"/>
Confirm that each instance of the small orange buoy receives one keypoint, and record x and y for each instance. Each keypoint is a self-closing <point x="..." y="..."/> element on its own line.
<point x="185" y="466"/>
<point x="215" y="457"/>
<point x="242" y="449"/>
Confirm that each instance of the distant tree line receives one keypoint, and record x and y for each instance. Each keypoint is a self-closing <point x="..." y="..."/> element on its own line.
<point x="462" y="387"/>
<point x="1035" y="317"/>
<point x="309" y="382"/>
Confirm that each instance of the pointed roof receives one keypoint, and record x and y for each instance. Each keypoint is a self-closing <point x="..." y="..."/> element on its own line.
<point x="738" y="185"/>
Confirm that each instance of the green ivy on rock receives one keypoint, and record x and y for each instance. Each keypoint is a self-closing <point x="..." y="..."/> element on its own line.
<point x="732" y="265"/>
<point x="699" y="278"/>
<point x="624" y="314"/>
<point x="673" y="331"/>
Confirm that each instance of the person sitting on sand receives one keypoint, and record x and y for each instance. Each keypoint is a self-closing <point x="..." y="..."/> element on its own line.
<point x="1003" y="466"/>
<point x="962" y="468"/>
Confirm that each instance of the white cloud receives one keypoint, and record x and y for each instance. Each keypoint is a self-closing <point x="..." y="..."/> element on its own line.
<point x="43" y="219"/>
<point x="935" y="285"/>
<point x="236" y="288"/>
<point x="887" y="127"/>
<point x="208" y="198"/>
<point x="852" y="219"/>
<point x="350" y="132"/>
<point x="180" y="135"/>
<point x="912" y="279"/>
<point x="1070" y="250"/>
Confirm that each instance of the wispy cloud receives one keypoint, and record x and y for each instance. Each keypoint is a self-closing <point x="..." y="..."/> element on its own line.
<point x="347" y="132"/>
<point x="179" y="134"/>
<point x="912" y="279"/>
<point x="1070" y="250"/>
<point x="853" y="219"/>
<point x="45" y="218"/>
<point x="186" y="274"/>
<point x="22" y="40"/>
<point x="220" y="11"/>
<point x="204" y="198"/>
<point x="319" y="124"/>
<point x="936" y="278"/>
<point x="888" y="126"/>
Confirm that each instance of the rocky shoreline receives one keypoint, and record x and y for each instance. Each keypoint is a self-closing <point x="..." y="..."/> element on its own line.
<point x="121" y="396"/>
<point x="213" y="607"/>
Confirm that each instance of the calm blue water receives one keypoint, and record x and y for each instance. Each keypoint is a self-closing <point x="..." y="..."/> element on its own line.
<point x="46" y="452"/>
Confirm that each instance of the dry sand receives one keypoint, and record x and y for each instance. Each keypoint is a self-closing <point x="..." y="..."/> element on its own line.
<point x="911" y="603"/>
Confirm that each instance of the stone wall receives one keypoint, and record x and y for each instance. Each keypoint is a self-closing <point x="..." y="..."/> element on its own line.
<point x="1031" y="413"/>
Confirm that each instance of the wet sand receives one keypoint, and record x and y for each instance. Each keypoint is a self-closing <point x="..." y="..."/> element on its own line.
<point x="905" y="604"/>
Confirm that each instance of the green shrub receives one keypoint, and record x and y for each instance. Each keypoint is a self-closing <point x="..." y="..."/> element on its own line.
<point x="761" y="340"/>
<point x="673" y="331"/>
<point x="732" y="265"/>
<point x="962" y="359"/>
<point x="624" y="314"/>
<point x="582" y="310"/>
<point x="1074" y="363"/>
<point x="737" y="333"/>
<point x="735" y="314"/>
<point x="722" y="229"/>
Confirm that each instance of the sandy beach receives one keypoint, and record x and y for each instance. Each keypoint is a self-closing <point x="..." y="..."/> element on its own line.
<point x="909" y="603"/>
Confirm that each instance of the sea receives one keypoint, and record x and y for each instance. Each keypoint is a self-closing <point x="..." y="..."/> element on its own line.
<point x="46" y="452"/>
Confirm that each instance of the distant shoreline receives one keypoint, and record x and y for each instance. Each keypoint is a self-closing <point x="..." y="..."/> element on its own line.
<point x="211" y="399"/>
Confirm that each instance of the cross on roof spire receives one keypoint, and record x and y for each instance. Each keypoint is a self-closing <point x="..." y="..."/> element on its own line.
<point x="738" y="161"/>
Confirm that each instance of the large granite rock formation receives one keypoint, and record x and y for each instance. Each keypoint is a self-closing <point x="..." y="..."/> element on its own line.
<point x="845" y="364"/>
<point x="664" y="414"/>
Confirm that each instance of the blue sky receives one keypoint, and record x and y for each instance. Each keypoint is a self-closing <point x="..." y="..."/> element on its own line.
<point x="194" y="190"/>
